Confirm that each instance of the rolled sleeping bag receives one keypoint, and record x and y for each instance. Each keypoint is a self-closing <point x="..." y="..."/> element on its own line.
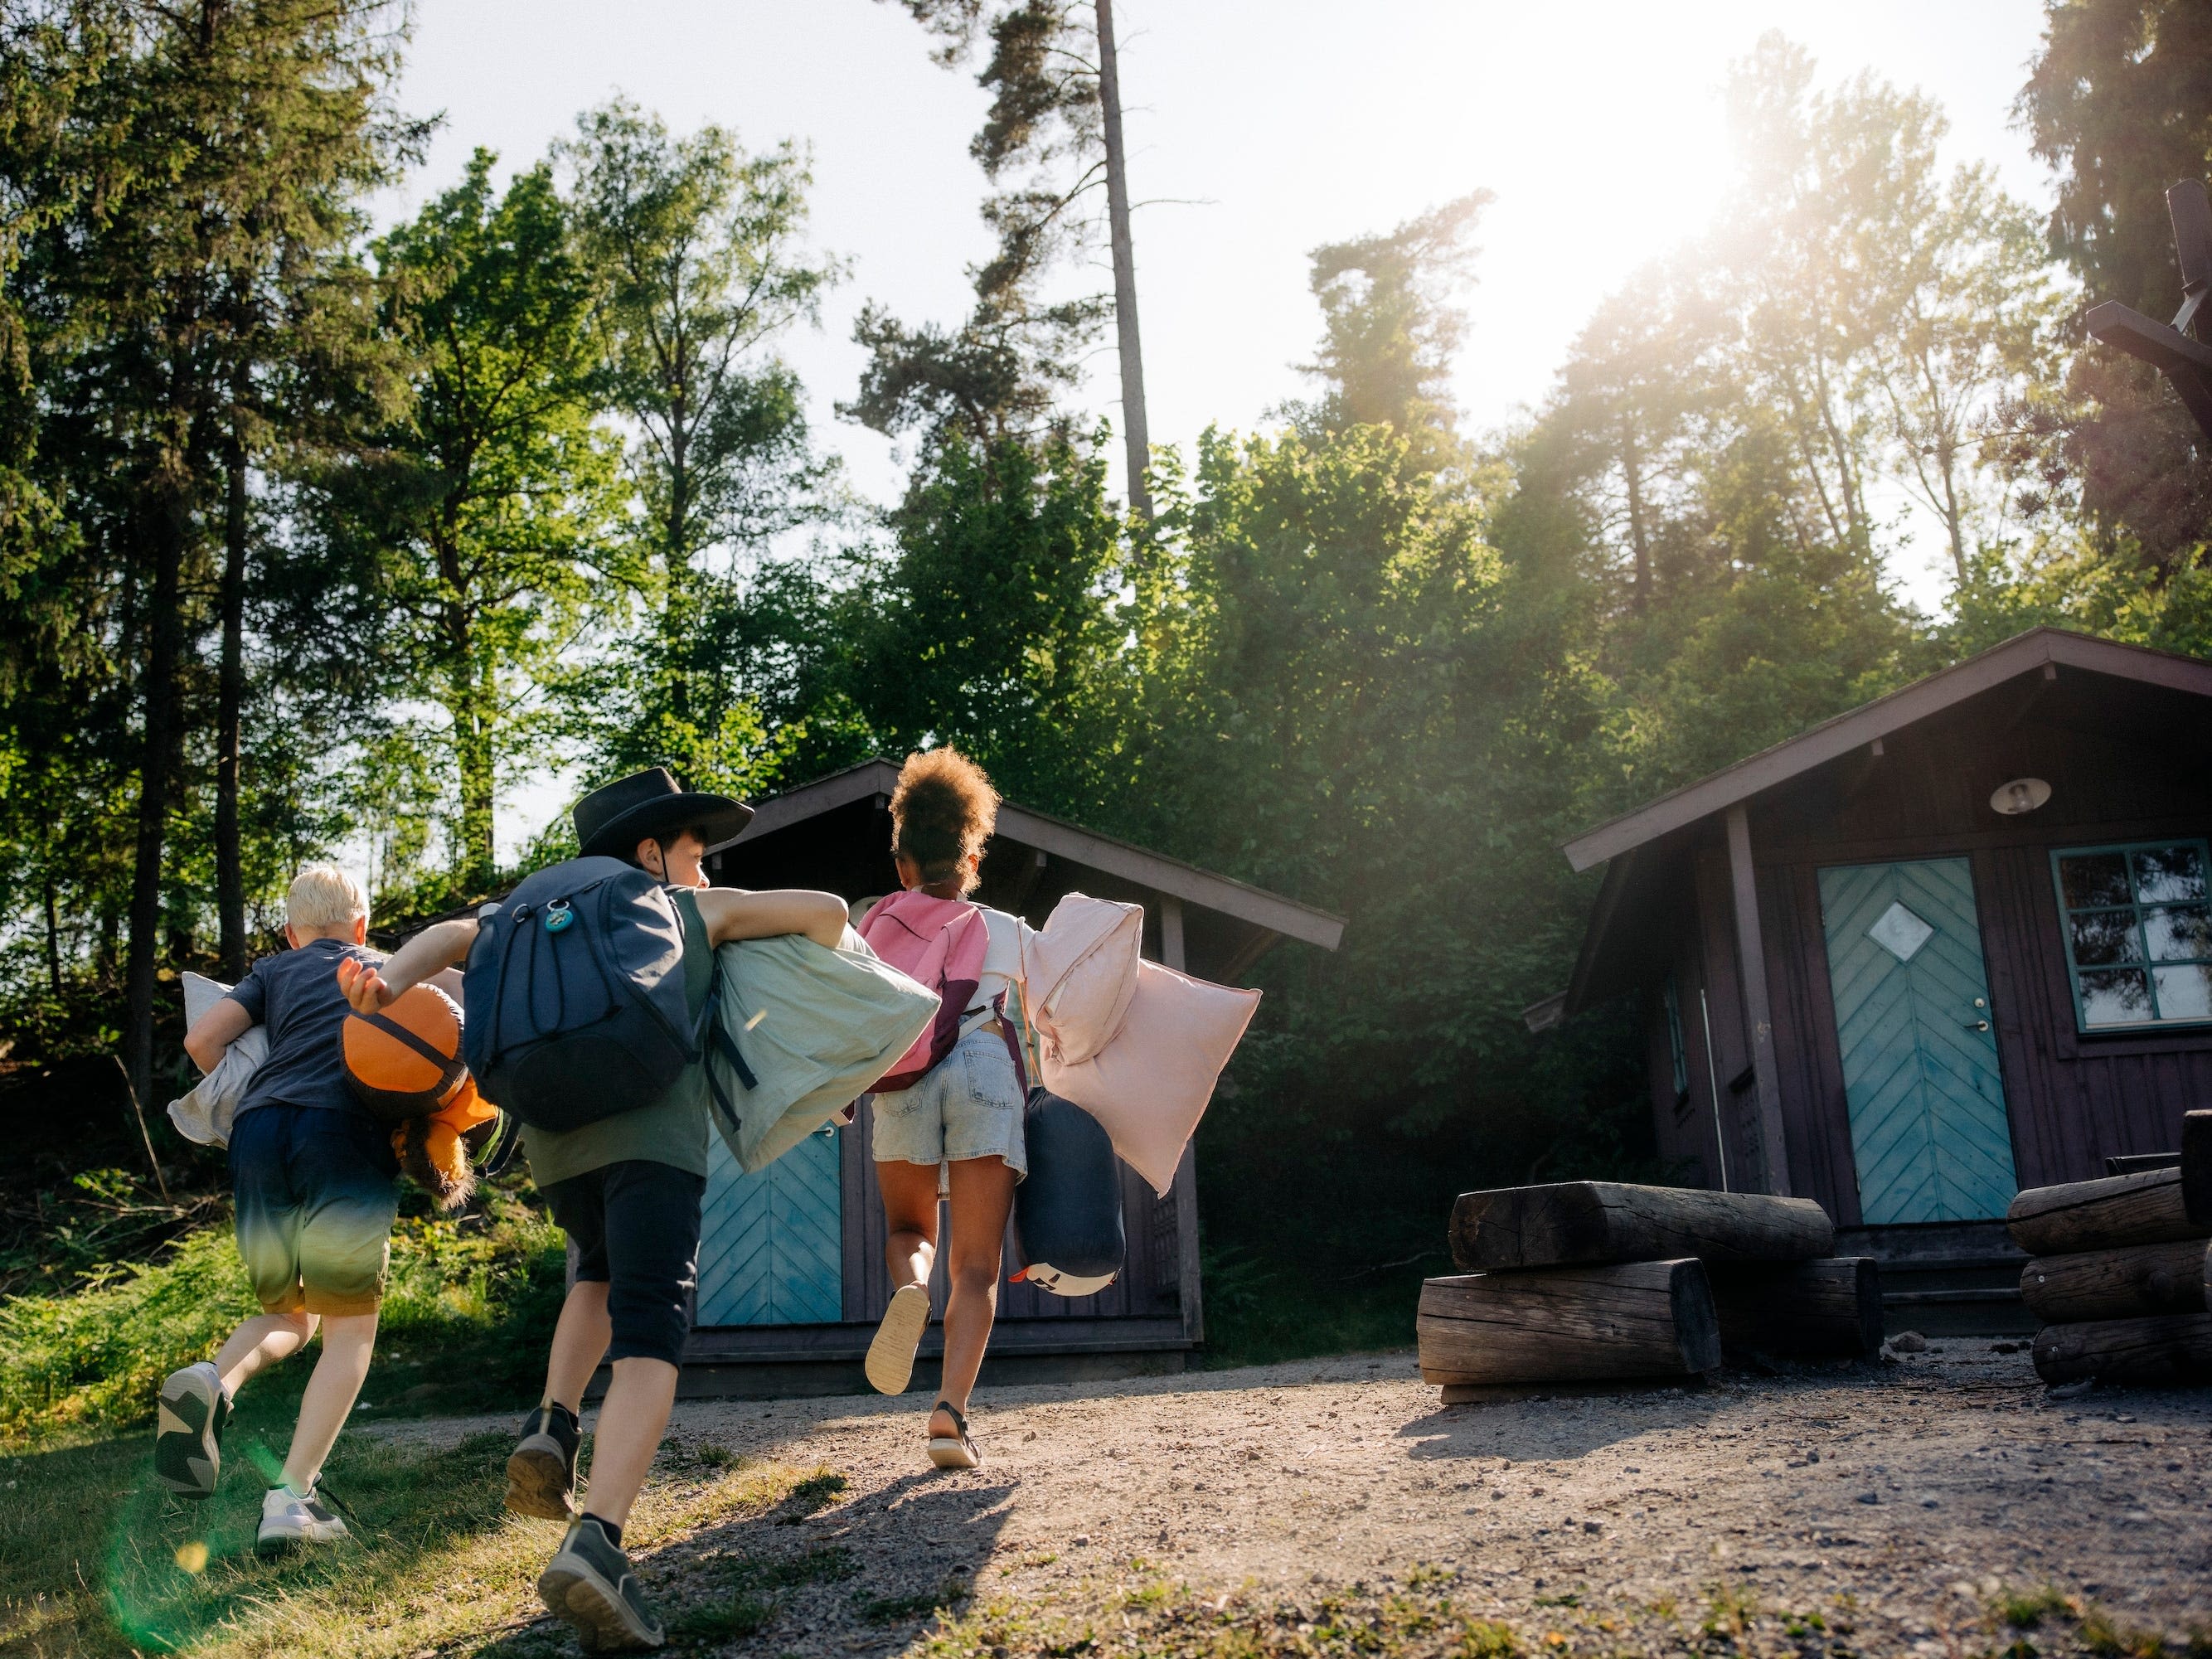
<point x="405" y="1061"/>
<point x="1067" y="1211"/>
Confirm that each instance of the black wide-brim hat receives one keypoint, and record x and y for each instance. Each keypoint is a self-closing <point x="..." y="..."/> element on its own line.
<point x="612" y="821"/>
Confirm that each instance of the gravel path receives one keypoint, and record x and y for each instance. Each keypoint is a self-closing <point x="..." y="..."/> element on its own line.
<point x="1898" y="1501"/>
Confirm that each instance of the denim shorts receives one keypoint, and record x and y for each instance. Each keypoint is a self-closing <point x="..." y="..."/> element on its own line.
<point x="316" y="1195"/>
<point x="968" y="1105"/>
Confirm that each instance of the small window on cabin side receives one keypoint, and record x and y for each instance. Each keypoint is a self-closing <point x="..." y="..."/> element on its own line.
<point x="1674" y="1045"/>
<point x="2138" y="933"/>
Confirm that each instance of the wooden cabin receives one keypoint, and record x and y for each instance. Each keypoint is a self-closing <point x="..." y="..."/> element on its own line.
<point x="1949" y="944"/>
<point x="791" y="1275"/>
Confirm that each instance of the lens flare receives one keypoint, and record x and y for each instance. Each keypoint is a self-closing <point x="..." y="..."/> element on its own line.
<point x="192" y="1557"/>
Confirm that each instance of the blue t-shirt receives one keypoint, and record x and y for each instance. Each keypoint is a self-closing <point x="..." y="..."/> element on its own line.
<point x="295" y="994"/>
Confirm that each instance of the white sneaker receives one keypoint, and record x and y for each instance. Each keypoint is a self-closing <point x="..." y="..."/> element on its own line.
<point x="288" y="1522"/>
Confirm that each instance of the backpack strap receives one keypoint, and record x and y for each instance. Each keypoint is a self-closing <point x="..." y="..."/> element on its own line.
<point x="710" y="1041"/>
<point x="450" y="1067"/>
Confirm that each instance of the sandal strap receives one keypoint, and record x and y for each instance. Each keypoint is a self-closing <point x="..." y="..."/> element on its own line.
<point x="953" y="1411"/>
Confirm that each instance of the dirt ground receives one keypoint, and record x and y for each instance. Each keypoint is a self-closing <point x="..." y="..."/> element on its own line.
<point x="1865" y="1509"/>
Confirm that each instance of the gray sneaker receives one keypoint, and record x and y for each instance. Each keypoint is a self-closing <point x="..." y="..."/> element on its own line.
<point x="188" y="1430"/>
<point x="541" y="1476"/>
<point x="592" y="1584"/>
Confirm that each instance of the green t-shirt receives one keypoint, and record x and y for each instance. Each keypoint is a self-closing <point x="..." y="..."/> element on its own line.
<point x="671" y="1131"/>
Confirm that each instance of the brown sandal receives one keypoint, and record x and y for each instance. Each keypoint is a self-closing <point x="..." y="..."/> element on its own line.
<point x="950" y="1451"/>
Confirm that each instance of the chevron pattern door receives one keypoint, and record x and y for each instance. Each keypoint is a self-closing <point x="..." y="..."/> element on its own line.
<point x="771" y="1245"/>
<point x="1928" y="1129"/>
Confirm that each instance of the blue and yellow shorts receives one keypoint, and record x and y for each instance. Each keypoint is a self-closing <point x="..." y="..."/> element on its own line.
<point x="316" y="1191"/>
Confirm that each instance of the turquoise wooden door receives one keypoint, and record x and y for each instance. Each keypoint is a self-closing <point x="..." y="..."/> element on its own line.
<point x="771" y="1245"/>
<point x="1929" y="1130"/>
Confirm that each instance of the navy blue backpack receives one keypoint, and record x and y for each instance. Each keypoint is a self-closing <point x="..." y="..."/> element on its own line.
<point x="574" y="989"/>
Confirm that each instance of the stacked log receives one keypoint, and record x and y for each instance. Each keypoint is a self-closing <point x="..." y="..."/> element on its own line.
<point x="1592" y="1281"/>
<point x="2121" y="1270"/>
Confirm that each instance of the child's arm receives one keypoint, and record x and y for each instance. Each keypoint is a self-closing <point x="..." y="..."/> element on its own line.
<point x="444" y="946"/>
<point x="215" y="1031"/>
<point x="730" y="913"/>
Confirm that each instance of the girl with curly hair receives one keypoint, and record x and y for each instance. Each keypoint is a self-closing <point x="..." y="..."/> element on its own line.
<point x="956" y="1133"/>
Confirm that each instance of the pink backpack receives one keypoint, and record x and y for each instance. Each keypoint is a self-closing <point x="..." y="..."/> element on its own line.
<point x="941" y="943"/>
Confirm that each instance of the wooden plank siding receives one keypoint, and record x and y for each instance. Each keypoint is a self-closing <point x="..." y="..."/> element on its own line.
<point x="2123" y="767"/>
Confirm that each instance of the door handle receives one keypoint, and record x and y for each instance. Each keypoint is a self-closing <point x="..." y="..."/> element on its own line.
<point x="1978" y="1025"/>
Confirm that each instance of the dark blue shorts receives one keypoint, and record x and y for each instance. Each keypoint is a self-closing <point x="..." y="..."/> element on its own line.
<point x="316" y="1192"/>
<point x="635" y="1227"/>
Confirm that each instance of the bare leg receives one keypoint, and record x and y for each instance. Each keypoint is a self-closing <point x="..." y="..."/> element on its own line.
<point x="982" y="1194"/>
<point x="910" y="1220"/>
<point x="348" y="1339"/>
<point x="580" y="1342"/>
<point x="262" y="1340"/>
<point x="632" y="1419"/>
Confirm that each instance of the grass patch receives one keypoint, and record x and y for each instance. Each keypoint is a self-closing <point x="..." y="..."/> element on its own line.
<point x="1185" y="1624"/>
<point x="2025" y="1610"/>
<point x="891" y="1609"/>
<point x="469" y="1308"/>
<point x="96" y="1562"/>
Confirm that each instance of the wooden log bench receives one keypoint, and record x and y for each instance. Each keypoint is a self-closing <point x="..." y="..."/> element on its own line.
<point x="1597" y="1223"/>
<point x="2132" y="1281"/>
<point x="1830" y="1309"/>
<point x="2156" y="1353"/>
<point x="2108" y="1213"/>
<point x="1637" y="1319"/>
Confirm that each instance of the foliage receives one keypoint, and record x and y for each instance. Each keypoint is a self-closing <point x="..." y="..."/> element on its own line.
<point x="1001" y="373"/>
<point x="2119" y="103"/>
<point x="468" y="1306"/>
<point x="702" y="270"/>
<point x="494" y="494"/>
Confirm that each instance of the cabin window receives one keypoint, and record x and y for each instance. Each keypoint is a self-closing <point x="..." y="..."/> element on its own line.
<point x="2138" y="925"/>
<point x="1674" y="1045"/>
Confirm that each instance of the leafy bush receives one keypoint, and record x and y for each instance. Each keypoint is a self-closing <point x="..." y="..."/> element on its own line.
<point x="467" y="1308"/>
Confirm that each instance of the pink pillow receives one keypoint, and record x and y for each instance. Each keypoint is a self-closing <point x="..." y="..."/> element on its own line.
<point x="1150" y="1085"/>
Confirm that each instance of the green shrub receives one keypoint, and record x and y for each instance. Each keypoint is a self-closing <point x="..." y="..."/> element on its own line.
<point x="468" y="1308"/>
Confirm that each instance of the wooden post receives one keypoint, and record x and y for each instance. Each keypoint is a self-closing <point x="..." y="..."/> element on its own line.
<point x="1759" y="1013"/>
<point x="2196" y="1168"/>
<point x="1190" y="1281"/>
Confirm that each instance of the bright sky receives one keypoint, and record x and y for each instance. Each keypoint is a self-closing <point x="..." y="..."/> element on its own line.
<point x="1257" y="130"/>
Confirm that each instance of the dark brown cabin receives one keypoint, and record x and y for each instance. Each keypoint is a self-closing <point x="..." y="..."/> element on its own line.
<point x="792" y="1276"/>
<point x="1947" y="945"/>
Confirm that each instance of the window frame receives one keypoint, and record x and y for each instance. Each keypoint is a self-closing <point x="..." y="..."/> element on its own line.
<point x="2075" y="970"/>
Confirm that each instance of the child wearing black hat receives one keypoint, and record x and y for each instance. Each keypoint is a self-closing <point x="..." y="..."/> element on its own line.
<point x="626" y="1189"/>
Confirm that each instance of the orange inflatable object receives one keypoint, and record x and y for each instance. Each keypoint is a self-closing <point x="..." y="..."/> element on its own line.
<point x="406" y="1061"/>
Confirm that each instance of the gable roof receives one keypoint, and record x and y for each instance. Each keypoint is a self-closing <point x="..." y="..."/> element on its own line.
<point x="878" y="778"/>
<point x="2050" y="648"/>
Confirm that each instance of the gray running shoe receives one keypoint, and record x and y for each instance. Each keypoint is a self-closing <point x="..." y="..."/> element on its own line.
<point x="592" y="1584"/>
<point x="288" y="1522"/>
<point x="541" y="1475"/>
<point x="188" y="1430"/>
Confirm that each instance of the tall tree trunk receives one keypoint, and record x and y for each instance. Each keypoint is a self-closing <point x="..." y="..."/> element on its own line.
<point x="472" y="709"/>
<point x="165" y="648"/>
<point x="1638" y="538"/>
<point x="1136" y="433"/>
<point x="230" y="707"/>
<point x="53" y="936"/>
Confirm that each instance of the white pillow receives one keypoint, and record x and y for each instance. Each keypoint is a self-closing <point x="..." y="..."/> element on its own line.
<point x="1152" y="1083"/>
